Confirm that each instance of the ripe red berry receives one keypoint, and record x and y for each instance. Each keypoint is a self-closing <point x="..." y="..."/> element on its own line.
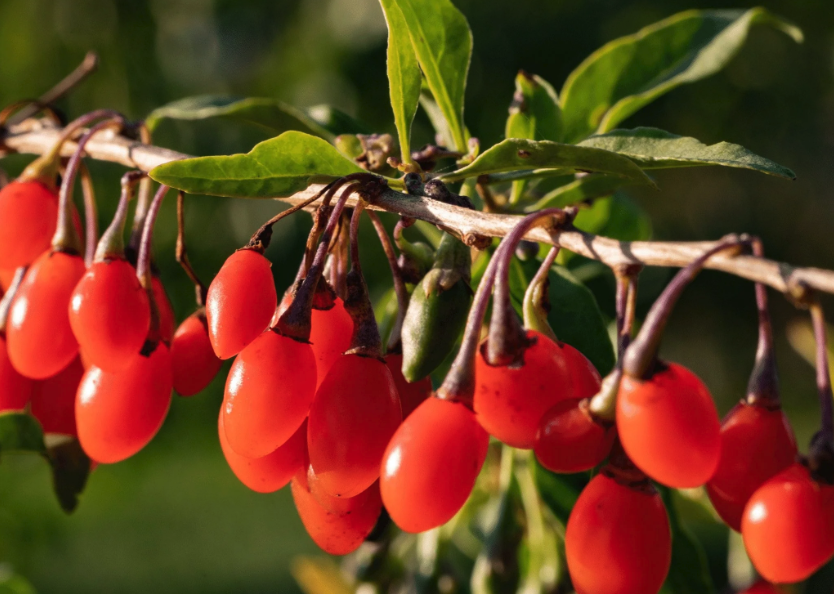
<point x="571" y="440"/>
<point x="110" y="314"/>
<point x="271" y="472"/>
<point x="584" y="376"/>
<point x="53" y="400"/>
<point x="669" y="427"/>
<point x="268" y="393"/>
<point x="510" y="401"/>
<point x="337" y="505"/>
<point x="118" y="413"/>
<point x="39" y="337"/>
<point x="334" y="533"/>
<point x="240" y="303"/>
<point x="788" y="526"/>
<point x="413" y="394"/>
<point x="757" y="443"/>
<point x="167" y="319"/>
<point x="15" y="389"/>
<point x="193" y="359"/>
<point x="330" y="334"/>
<point x="618" y="539"/>
<point x="28" y="217"/>
<point x="355" y="412"/>
<point x="6" y="277"/>
<point x="431" y="464"/>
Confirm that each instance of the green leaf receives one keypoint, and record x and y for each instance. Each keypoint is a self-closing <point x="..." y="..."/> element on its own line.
<point x="404" y="77"/>
<point x="617" y="217"/>
<point x="588" y="187"/>
<point x="628" y="73"/>
<point x="271" y="114"/>
<point x="20" y="432"/>
<point x="652" y="148"/>
<point x="335" y="121"/>
<point x="443" y="44"/>
<point x="516" y="154"/>
<point x="277" y="167"/>
<point x="559" y="491"/>
<point x="688" y="573"/>
<point x="70" y="469"/>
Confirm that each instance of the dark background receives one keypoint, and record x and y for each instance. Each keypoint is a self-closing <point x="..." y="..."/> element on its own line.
<point x="174" y="518"/>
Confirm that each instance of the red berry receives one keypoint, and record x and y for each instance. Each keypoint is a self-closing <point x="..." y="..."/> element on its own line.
<point x="39" y="337"/>
<point x="271" y="472"/>
<point x="413" y="394"/>
<point x="53" y="400"/>
<point x="15" y="389"/>
<point x="330" y="335"/>
<point x="193" y="359"/>
<point x="669" y="427"/>
<point x="762" y="588"/>
<point x="431" y="464"/>
<point x="118" y="413"/>
<point x="6" y="277"/>
<point x="584" y="376"/>
<point x="788" y="526"/>
<point x="355" y="413"/>
<point x="268" y="393"/>
<point x="757" y="443"/>
<point x="571" y="440"/>
<point x="510" y="401"/>
<point x="618" y="539"/>
<point x="241" y="301"/>
<point x="336" y="534"/>
<point x="110" y="314"/>
<point x="28" y="218"/>
<point x="337" y="505"/>
<point x="167" y="319"/>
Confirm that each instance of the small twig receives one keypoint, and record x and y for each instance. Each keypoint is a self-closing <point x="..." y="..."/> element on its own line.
<point x="399" y="285"/>
<point x="90" y="214"/>
<point x="182" y="255"/>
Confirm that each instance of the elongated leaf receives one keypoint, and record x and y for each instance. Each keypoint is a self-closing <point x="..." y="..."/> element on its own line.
<point x="271" y="114"/>
<point x="277" y="167"/>
<point x="20" y="432"/>
<point x="617" y="217"/>
<point x="443" y="44"/>
<point x="335" y="121"/>
<point x="516" y="154"/>
<point x="652" y="148"/>
<point x="404" y="77"/>
<point x="628" y="73"/>
<point x="688" y="573"/>
<point x="585" y="188"/>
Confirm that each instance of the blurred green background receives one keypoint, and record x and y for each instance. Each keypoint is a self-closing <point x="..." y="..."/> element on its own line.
<point x="174" y="518"/>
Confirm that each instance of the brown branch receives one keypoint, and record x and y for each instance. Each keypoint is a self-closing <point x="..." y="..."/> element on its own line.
<point x="36" y="137"/>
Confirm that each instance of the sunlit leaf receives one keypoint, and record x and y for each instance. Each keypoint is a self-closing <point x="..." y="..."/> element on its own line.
<point x="588" y="187"/>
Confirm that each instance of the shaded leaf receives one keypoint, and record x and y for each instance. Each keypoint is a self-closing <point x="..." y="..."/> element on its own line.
<point x="404" y="77"/>
<point x="442" y="43"/>
<point x="20" y="432"/>
<point x="628" y="73"/>
<point x="588" y="187"/>
<point x="688" y="573"/>
<point x="335" y="121"/>
<point x="277" y="167"/>
<point x="516" y="154"/>
<point x="652" y="148"/>
<point x="70" y="469"/>
<point x="617" y="217"/>
<point x="559" y="492"/>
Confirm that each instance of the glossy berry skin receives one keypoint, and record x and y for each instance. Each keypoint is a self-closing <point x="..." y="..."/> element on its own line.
<point x="15" y="389"/>
<point x="240" y="303"/>
<point x="167" y="319"/>
<point x="757" y="443"/>
<point x="584" y="376"/>
<point x="28" y="218"/>
<point x="271" y="472"/>
<point x="355" y="413"/>
<point x="334" y="533"/>
<point x="193" y="359"/>
<point x="337" y="505"/>
<point x="38" y="333"/>
<point x="110" y="314"/>
<point x="330" y="334"/>
<point x="269" y="391"/>
<point x="118" y="413"/>
<point x="431" y="464"/>
<point x="571" y="440"/>
<point x="53" y="400"/>
<point x="788" y="526"/>
<point x="618" y="539"/>
<point x="510" y="401"/>
<point x="762" y="588"/>
<point x="669" y="427"/>
<point x="413" y="394"/>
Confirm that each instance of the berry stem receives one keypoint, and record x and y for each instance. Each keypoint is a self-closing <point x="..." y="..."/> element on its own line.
<point x="394" y="341"/>
<point x="111" y="245"/>
<point x="626" y="301"/>
<point x="640" y="358"/>
<point x="66" y="238"/>
<point x="182" y="256"/>
<point x="336" y="268"/>
<point x="143" y="200"/>
<point x="33" y="106"/>
<point x="8" y="297"/>
<point x="763" y="387"/>
<point x="537" y="298"/>
<point x="88" y="191"/>
<point x="365" y="341"/>
<point x="826" y="434"/>
<point x="507" y="338"/>
<point x="143" y="261"/>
